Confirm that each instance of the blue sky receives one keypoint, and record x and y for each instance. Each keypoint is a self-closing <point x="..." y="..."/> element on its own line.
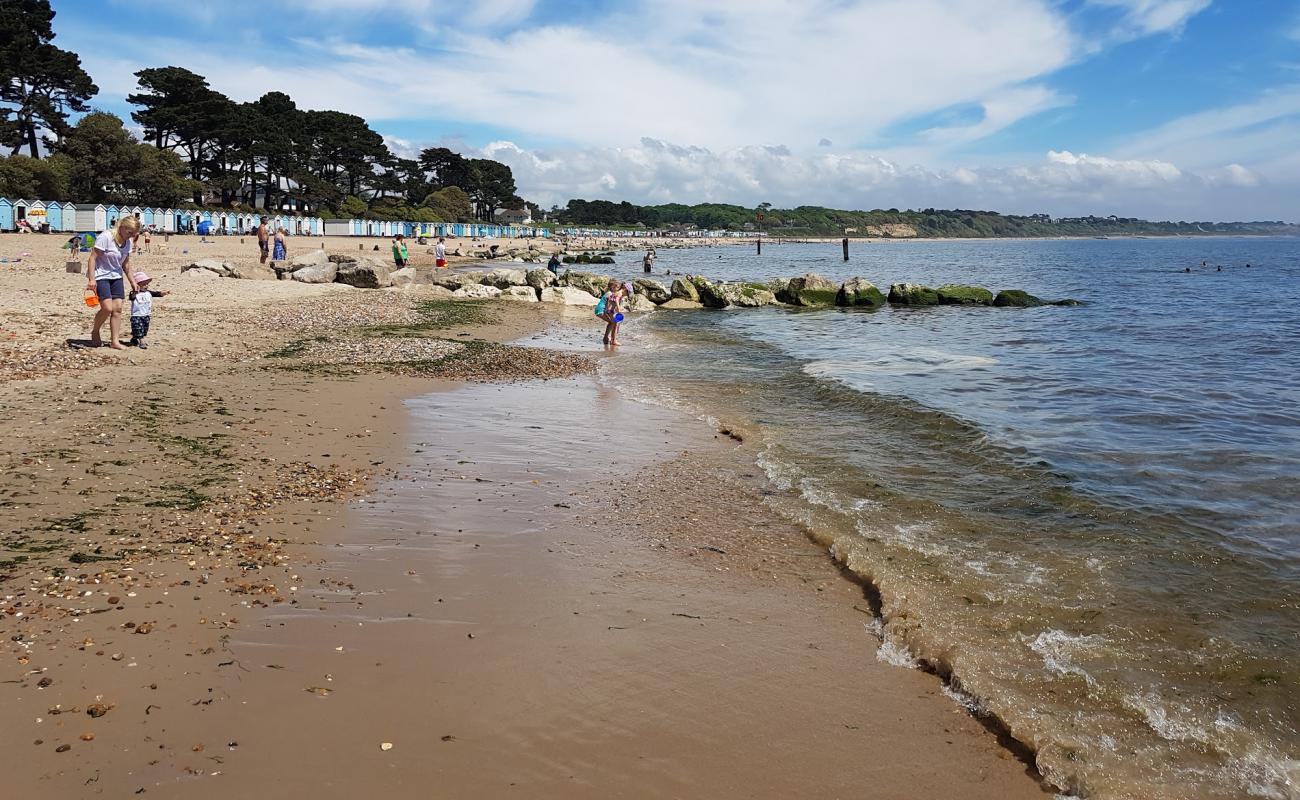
<point x="1181" y="109"/>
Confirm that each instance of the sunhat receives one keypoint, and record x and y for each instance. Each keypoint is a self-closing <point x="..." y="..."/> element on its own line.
<point x="140" y="277"/>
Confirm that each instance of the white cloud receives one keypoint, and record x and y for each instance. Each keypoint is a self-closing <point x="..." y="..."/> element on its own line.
<point x="1156" y="16"/>
<point x="1260" y="132"/>
<point x="714" y="72"/>
<point x="1061" y="183"/>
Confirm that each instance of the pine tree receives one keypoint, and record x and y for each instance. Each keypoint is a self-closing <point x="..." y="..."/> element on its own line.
<point x="40" y="84"/>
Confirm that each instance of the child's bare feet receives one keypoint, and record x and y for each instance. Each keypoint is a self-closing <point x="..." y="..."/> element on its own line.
<point x="117" y="346"/>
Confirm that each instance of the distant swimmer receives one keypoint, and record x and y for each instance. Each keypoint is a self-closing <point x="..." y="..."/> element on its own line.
<point x="1187" y="269"/>
<point x="1219" y="268"/>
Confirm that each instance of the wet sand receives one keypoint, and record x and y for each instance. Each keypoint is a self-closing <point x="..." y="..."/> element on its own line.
<point x="262" y="575"/>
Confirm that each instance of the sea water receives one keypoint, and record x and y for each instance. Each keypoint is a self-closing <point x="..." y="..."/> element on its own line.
<point x="1086" y="518"/>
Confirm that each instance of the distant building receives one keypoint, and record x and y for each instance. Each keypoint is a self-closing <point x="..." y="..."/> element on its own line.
<point x="513" y="216"/>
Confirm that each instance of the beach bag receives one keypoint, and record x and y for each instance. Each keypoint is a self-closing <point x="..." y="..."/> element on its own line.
<point x="600" y="305"/>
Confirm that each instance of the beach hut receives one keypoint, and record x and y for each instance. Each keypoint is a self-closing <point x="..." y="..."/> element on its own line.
<point x="89" y="217"/>
<point x="135" y="211"/>
<point x="6" y="214"/>
<point x="147" y="217"/>
<point x="112" y="214"/>
<point x="60" y="215"/>
<point x="337" y="227"/>
<point x="54" y="215"/>
<point x="37" y="215"/>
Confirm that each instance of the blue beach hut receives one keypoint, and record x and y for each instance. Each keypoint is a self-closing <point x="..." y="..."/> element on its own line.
<point x="54" y="215"/>
<point x="113" y="214"/>
<point x="147" y="216"/>
<point x="6" y="214"/>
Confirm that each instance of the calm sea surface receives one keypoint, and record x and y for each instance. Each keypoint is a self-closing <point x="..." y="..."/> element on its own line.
<point x="1089" y="518"/>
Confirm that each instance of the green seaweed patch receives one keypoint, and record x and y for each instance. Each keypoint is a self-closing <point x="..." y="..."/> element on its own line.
<point x="816" y="297"/>
<point x="90" y="558"/>
<point x="437" y="315"/>
<point x="75" y="523"/>
<point x="295" y="348"/>
<point x="1016" y="298"/>
<point x="185" y="498"/>
<point x="959" y="295"/>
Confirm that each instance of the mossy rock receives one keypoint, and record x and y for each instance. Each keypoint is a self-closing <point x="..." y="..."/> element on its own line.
<point x="685" y="290"/>
<point x="1067" y="302"/>
<point x="711" y="294"/>
<point x="1016" y="298"/>
<point x="809" y="290"/>
<point x="961" y="295"/>
<point x="591" y="284"/>
<point x="746" y="295"/>
<point x="859" y="292"/>
<point x="652" y="290"/>
<point x="912" y="294"/>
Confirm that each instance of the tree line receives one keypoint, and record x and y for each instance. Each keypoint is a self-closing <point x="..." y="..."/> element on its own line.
<point x="202" y="147"/>
<point x="928" y="222"/>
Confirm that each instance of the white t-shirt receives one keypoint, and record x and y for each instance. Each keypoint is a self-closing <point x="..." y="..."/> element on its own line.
<point x="439" y="250"/>
<point x="142" y="305"/>
<point x="110" y="258"/>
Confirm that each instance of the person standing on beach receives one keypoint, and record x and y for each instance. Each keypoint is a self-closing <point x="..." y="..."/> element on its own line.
<point x="440" y="253"/>
<point x="610" y="308"/>
<point x="107" y="271"/>
<point x="400" y="256"/>
<point x="263" y="240"/>
<point x="281" y="251"/>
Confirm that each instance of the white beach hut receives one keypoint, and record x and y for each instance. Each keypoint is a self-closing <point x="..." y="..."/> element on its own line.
<point x="90" y="217"/>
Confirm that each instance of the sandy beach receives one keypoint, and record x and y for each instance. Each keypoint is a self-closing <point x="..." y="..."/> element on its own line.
<point x="336" y="541"/>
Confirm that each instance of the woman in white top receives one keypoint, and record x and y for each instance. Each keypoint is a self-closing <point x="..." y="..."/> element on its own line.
<point x="107" y="272"/>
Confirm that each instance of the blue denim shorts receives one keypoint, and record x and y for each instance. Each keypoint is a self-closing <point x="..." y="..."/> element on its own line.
<point x="111" y="288"/>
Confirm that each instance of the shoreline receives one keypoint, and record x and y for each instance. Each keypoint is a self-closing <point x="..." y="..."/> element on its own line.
<point x="213" y="564"/>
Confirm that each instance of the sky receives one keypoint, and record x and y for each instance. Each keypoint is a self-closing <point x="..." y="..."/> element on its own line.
<point x="1163" y="109"/>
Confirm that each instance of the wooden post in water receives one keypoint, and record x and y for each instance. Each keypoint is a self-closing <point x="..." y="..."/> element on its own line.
<point x="759" y="242"/>
<point x="846" y="248"/>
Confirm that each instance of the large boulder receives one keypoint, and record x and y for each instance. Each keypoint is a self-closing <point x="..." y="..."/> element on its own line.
<point x="685" y="290"/>
<point x="680" y="304"/>
<point x="320" y="273"/>
<point x="253" y="271"/>
<point x="403" y="277"/>
<point x="859" y="292"/>
<point x="1016" y="298"/>
<point x="311" y="258"/>
<point x="567" y="295"/>
<point x="222" y="269"/>
<point x="200" y="274"/>
<point x="364" y="273"/>
<point x="956" y="294"/>
<point x="505" y="278"/>
<point x="640" y="302"/>
<point x="809" y="290"/>
<point x="590" y="258"/>
<point x="525" y="293"/>
<point x="711" y="294"/>
<point x="746" y="295"/>
<point x="456" y="280"/>
<point x="912" y="294"/>
<point x="594" y="285"/>
<point x="778" y="287"/>
<point x="476" y="291"/>
<point x="652" y="290"/>
<point x="540" y="278"/>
